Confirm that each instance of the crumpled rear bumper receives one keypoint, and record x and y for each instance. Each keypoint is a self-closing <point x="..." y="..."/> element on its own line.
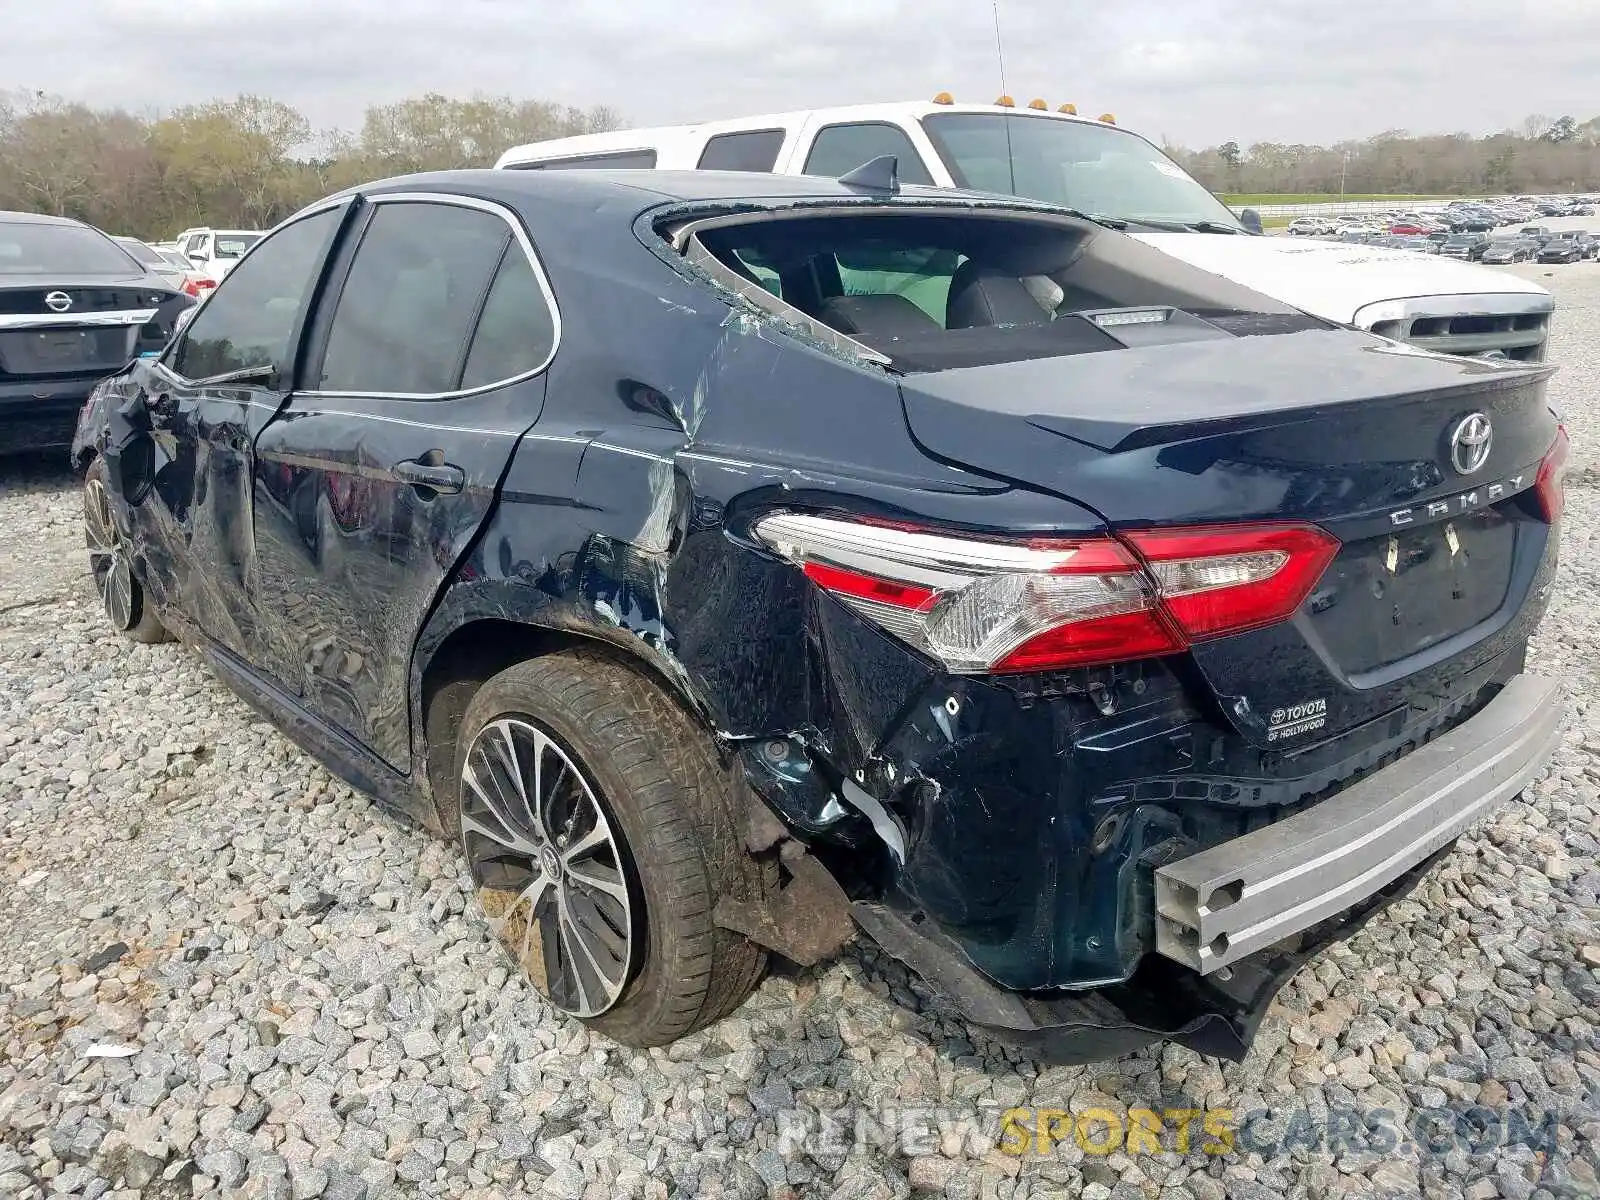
<point x="1216" y="1015"/>
<point x="1235" y="921"/>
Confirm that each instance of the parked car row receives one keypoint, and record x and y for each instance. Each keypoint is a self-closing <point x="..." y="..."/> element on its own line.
<point x="1531" y="243"/>
<point x="170" y="264"/>
<point x="1458" y="216"/>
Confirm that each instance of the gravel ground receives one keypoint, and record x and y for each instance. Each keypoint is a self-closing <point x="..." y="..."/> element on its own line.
<point x="306" y="1009"/>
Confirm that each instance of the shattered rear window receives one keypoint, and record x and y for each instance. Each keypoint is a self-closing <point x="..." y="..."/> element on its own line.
<point x="934" y="290"/>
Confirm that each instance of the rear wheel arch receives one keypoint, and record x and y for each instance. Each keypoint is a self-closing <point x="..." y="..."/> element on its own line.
<point x="477" y="650"/>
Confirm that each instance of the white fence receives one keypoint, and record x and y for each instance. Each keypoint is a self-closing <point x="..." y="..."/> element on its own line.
<point x="1336" y="206"/>
<point x="1353" y="206"/>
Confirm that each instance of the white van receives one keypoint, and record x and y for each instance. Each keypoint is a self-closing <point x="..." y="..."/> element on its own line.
<point x="1111" y="173"/>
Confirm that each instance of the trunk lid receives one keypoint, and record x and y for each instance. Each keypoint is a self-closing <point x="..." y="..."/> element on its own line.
<point x="83" y="325"/>
<point x="1437" y="568"/>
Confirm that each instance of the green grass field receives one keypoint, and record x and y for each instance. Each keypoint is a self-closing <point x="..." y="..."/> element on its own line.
<point x="1252" y="200"/>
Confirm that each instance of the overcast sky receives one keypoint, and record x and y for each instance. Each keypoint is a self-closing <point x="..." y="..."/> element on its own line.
<point x="1196" y="71"/>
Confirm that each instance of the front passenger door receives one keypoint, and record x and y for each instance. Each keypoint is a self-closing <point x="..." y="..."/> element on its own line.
<point x="207" y="397"/>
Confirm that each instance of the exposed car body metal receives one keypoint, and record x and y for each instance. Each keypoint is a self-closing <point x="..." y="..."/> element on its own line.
<point x="999" y="833"/>
<point x="1232" y="900"/>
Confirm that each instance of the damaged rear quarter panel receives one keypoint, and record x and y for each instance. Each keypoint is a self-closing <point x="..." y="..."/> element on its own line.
<point x="674" y="417"/>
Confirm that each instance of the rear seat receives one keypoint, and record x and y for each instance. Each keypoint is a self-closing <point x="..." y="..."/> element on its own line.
<point x="882" y="316"/>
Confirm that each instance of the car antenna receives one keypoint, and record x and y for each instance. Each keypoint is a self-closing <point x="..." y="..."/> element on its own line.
<point x="881" y="174"/>
<point x="1000" y="57"/>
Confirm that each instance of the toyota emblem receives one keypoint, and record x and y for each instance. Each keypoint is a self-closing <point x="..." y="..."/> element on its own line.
<point x="1469" y="443"/>
<point x="58" y="301"/>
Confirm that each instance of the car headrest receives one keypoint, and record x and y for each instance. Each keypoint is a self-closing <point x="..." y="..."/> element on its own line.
<point x="888" y="316"/>
<point x="983" y="295"/>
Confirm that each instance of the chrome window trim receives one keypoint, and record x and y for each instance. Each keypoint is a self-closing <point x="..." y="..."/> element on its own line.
<point x="520" y="235"/>
<point x="132" y="316"/>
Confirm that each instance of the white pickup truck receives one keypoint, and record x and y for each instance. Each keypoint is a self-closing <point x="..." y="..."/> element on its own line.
<point x="1106" y="171"/>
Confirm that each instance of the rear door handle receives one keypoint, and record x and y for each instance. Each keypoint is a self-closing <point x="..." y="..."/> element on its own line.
<point x="440" y="477"/>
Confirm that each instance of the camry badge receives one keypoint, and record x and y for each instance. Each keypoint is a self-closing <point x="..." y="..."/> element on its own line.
<point x="1469" y="443"/>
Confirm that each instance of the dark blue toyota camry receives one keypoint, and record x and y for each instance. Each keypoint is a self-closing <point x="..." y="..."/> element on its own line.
<point x="739" y="564"/>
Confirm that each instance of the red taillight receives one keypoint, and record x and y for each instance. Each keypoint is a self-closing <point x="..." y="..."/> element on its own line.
<point x="1550" y="486"/>
<point x="869" y="587"/>
<point x="190" y="288"/>
<point x="1227" y="579"/>
<point x="1084" y="643"/>
<point x="994" y="607"/>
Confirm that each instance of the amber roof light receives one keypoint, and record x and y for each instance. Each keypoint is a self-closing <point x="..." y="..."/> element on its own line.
<point x="1006" y="102"/>
<point x="1108" y="118"/>
<point x="1069" y="108"/>
<point x="1039" y="104"/>
<point x="944" y="98"/>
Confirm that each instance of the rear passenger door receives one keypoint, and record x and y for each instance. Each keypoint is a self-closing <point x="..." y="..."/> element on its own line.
<point x="422" y="372"/>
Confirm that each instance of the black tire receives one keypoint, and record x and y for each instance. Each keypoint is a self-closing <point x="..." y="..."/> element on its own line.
<point x="122" y="597"/>
<point x="663" y="787"/>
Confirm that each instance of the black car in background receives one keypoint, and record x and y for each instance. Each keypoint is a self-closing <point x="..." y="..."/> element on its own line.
<point x="1468" y="246"/>
<point x="1509" y="250"/>
<point x="1569" y="246"/>
<point x="732" y="561"/>
<point x="74" y="307"/>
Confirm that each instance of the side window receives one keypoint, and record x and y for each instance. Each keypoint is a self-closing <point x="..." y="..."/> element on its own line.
<point x="753" y="151"/>
<point x="249" y="320"/>
<point x="408" y="304"/>
<point x="625" y="160"/>
<point x="517" y="329"/>
<point x="842" y="148"/>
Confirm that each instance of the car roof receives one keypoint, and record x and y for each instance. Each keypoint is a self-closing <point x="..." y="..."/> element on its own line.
<point x="645" y="137"/>
<point x="36" y="218"/>
<point x="642" y="190"/>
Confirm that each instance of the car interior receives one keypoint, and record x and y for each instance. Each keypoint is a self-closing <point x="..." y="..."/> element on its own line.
<point x="934" y="290"/>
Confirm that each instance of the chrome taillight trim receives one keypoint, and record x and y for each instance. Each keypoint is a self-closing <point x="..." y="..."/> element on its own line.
<point x="930" y="559"/>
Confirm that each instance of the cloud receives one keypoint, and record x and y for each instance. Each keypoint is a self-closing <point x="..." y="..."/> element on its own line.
<point x="1198" y="73"/>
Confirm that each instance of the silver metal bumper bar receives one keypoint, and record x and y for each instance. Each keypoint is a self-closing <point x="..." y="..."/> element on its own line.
<point x="1244" y="895"/>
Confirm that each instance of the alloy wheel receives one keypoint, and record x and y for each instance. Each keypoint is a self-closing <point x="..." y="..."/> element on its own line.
<point x="108" y="557"/>
<point x="551" y="873"/>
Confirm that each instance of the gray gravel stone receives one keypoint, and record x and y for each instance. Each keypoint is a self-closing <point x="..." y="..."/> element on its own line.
<point x="226" y="1166"/>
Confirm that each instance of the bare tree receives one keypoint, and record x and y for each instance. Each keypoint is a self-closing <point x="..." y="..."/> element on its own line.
<point x="1541" y="155"/>
<point x="252" y="160"/>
